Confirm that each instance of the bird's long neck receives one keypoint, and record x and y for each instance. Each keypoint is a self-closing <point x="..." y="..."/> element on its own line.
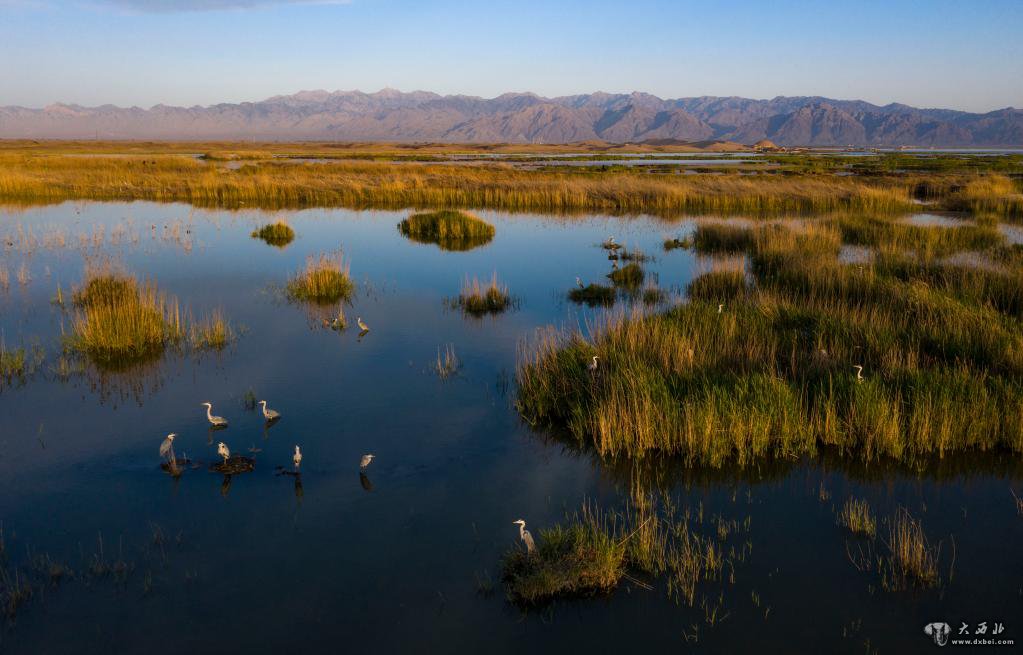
<point x="209" y="412"/>
<point x="522" y="530"/>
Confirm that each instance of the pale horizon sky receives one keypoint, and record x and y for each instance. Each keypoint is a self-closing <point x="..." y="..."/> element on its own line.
<point x="925" y="53"/>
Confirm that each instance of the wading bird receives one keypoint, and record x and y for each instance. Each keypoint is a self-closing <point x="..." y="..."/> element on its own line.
<point x="269" y="414"/>
<point x="593" y="364"/>
<point x="223" y="451"/>
<point x="215" y="421"/>
<point x="167" y="447"/>
<point x="297" y="458"/>
<point x="525" y="536"/>
<point x="579" y="283"/>
<point x="720" y="307"/>
<point x="362" y="326"/>
<point x="859" y="372"/>
<point x="366" y="459"/>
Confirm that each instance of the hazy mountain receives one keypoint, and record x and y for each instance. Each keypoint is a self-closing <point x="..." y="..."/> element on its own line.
<point x="526" y="118"/>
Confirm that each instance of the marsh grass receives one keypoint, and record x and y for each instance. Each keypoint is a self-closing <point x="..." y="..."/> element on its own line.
<point x="912" y="560"/>
<point x="857" y="517"/>
<point x="772" y="376"/>
<point x="325" y="280"/>
<point x="27" y="177"/>
<point x="449" y="229"/>
<point x="448" y="364"/>
<point x="593" y="295"/>
<point x="583" y="558"/>
<point x="630" y="276"/>
<point x="278" y="234"/>
<point x="481" y="298"/>
<point x="19" y="363"/>
<point x="633" y="255"/>
<point x="213" y="332"/>
<point x="676" y="243"/>
<point x="118" y="320"/>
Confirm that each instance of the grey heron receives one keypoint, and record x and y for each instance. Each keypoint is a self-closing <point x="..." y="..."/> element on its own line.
<point x="223" y="451"/>
<point x="859" y="372"/>
<point x="362" y="326"/>
<point x="366" y="459"/>
<point x="167" y="447"/>
<point x="579" y="283"/>
<point x="297" y="458"/>
<point x="269" y="414"/>
<point x="215" y="421"/>
<point x="526" y="537"/>
<point x="593" y="364"/>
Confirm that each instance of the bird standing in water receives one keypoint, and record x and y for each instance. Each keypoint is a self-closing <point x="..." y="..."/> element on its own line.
<point x="167" y="447"/>
<point x="215" y="421"/>
<point x="366" y="459"/>
<point x="297" y="458"/>
<point x="362" y="326"/>
<point x="223" y="451"/>
<point x="269" y="414"/>
<point x="525" y="536"/>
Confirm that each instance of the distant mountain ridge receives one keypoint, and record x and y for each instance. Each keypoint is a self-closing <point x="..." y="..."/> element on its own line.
<point x="391" y="115"/>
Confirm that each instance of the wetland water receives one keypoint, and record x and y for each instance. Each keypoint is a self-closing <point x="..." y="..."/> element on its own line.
<point x="407" y="559"/>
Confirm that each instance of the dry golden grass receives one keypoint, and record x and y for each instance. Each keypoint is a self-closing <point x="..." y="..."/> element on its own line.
<point x="29" y="178"/>
<point x="325" y="280"/>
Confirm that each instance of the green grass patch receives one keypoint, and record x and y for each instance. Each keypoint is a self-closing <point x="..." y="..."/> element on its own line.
<point x="593" y="295"/>
<point x="449" y="229"/>
<point x="630" y="276"/>
<point x="278" y="234"/>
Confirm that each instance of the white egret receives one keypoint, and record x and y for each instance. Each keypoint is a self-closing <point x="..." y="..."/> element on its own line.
<point x="593" y="364"/>
<point x="223" y="451"/>
<point x="362" y="326"/>
<point x="366" y="459"/>
<point x="720" y="307"/>
<point x="167" y="447"/>
<point x="269" y="414"/>
<point x="859" y="372"/>
<point x="215" y="421"/>
<point x="526" y="537"/>
<point x="297" y="458"/>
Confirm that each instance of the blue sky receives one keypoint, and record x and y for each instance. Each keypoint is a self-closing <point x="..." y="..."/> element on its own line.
<point x="965" y="54"/>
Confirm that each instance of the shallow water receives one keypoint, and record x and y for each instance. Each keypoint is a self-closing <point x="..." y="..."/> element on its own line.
<point x="392" y="562"/>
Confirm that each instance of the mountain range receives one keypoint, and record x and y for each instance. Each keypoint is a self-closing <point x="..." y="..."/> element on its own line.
<point x="418" y="116"/>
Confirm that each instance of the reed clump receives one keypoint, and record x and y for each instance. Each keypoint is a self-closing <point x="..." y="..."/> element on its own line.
<point x="630" y="276"/>
<point x="583" y="558"/>
<point x="857" y="517"/>
<point x="593" y="295"/>
<point x="912" y="560"/>
<point x="449" y="229"/>
<point x="447" y="364"/>
<point x="325" y="280"/>
<point x="278" y="234"/>
<point x="118" y="320"/>
<point x="213" y="332"/>
<point x="482" y="298"/>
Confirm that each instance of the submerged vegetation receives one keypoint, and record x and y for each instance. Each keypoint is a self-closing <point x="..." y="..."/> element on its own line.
<point x="278" y="234"/>
<point x="324" y="281"/>
<point x="451" y="230"/>
<point x="769" y="367"/>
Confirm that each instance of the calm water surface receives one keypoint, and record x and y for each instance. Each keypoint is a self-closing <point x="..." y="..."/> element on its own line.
<point x="393" y="563"/>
